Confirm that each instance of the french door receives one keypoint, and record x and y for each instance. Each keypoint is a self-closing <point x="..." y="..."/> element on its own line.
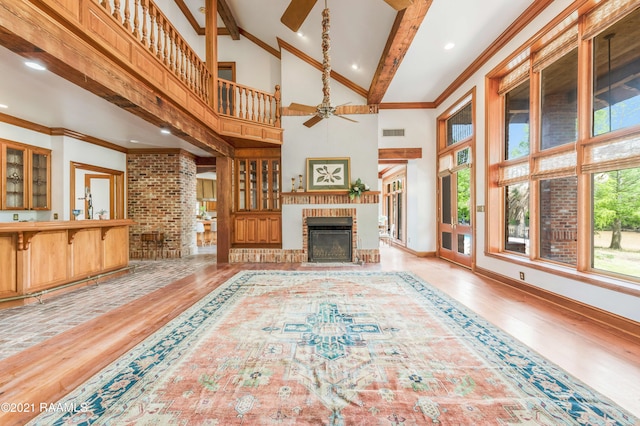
<point x="455" y="236"/>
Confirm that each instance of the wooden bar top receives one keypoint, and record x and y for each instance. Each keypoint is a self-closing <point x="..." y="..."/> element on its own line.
<point x="61" y="224"/>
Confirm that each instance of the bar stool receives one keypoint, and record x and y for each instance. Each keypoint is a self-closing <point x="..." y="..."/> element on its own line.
<point x="199" y="234"/>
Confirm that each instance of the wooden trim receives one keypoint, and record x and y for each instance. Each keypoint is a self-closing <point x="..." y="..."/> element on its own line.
<point x="518" y="25"/>
<point x="337" y="77"/>
<point x="407" y="105"/>
<point x="608" y="319"/>
<point x="399" y="153"/>
<point x="260" y="43"/>
<point x="423" y="254"/>
<point x="59" y="131"/>
<point x="25" y="124"/>
<point x="400" y="37"/>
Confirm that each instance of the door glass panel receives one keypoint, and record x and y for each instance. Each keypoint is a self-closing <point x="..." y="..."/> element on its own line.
<point x="253" y="185"/>
<point x="446" y="199"/>
<point x="463" y="186"/>
<point x="446" y="240"/>
<point x="399" y="223"/>
<point x="265" y="184"/>
<point x="242" y="185"/>
<point x="15" y="178"/>
<point x="464" y="244"/>
<point x="39" y="180"/>
<point x="275" y="184"/>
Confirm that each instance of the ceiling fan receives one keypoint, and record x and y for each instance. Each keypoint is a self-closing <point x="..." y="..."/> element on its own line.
<point x="297" y="11"/>
<point x="325" y="110"/>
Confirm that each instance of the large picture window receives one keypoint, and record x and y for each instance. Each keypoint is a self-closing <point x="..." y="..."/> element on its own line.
<point x="565" y="157"/>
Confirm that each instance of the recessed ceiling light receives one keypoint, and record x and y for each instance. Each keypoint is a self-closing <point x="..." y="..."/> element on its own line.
<point x="449" y="46"/>
<point x="4" y="106"/>
<point x="165" y="131"/>
<point x="134" y="141"/>
<point x="35" y="65"/>
<point x="355" y="66"/>
<point x="300" y="34"/>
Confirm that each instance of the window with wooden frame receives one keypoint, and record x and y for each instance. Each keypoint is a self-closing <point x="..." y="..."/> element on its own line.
<point x="564" y="181"/>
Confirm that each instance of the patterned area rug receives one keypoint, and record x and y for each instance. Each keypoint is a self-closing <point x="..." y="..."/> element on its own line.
<point x="332" y="348"/>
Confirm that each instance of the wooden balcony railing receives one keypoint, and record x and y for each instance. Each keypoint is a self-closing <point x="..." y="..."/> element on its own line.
<point x="151" y="28"/>
<point x="246" y="103"/>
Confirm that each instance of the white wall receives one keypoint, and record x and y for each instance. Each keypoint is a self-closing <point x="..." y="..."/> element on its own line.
<point x="333" y="137"/>
<point x="420" y="132"/>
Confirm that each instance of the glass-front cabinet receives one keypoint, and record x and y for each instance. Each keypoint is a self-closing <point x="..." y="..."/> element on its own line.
<point x="257" y="219"/>
<point x="26" y="177"/>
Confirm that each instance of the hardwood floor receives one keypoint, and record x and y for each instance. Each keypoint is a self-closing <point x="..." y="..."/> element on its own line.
<point x="607" y="361"/>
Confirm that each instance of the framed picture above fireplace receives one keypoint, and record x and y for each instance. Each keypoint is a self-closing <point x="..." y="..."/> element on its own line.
<point x="328" y="174"/>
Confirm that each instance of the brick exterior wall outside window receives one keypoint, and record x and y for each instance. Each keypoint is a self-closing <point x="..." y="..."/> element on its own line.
<point x="161" y="197"/>
<point x="559" y="220"/>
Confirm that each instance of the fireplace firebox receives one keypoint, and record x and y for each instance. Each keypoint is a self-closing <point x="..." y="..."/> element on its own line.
<point x="329" y="239"/>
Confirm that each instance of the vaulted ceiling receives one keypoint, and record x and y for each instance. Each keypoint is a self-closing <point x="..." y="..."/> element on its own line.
<point x="399" y="57"/>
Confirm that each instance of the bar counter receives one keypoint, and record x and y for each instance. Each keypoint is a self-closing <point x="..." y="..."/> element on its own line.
<point x="37" y="257"/>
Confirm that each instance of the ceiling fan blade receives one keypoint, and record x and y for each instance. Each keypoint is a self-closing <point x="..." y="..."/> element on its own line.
<point x="313" y="121"/>
<point x="345" y="118"/>
<point x="399" y="4"/>
<point x="296" y="13"/>
<point x="303" y="108"/>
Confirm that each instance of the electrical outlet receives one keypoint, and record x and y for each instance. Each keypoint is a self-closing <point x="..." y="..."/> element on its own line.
<point x="522" y="276"/>
<point x="16" y="216"/>
<point x="55" y="216"/>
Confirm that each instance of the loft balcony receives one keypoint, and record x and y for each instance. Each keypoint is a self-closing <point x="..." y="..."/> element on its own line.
<point x="129" y="53"/>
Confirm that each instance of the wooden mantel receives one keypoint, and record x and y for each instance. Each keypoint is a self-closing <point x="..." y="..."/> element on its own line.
<point x="329" y="197"/>
<point x="39" y="257"/>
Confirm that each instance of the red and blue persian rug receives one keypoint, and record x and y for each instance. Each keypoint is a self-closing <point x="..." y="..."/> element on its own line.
<point x="333" y="348"/>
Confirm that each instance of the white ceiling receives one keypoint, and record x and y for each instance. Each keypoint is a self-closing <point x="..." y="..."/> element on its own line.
<point x="359" y="31"/>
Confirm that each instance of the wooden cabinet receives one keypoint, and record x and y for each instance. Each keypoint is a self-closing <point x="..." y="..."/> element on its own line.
<point x="26" y="177"/>
<point x="257" y="184"/>
<point x="257" y="229"/>
<point x="206" y="189"/>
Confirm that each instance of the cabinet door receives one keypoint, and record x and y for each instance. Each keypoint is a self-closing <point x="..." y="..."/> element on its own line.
<point x="208" y="190"/>
<point x="40" y="179"/>
<point x="14" y="196"/>
<point x="199" y="189"/>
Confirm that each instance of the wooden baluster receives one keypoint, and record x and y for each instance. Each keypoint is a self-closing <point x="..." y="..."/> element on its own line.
<point x="277" y="98"/>
<point x="153" y="28"/>
<point x="229" y="108"/>
<point x="106" y="5"/>
<point x="242" y="94"/>
<point x="116" y="11"/>
<point x="253" y="105"/>
<point x="219" y="96"/>
<point x="136" y="19"/>
<point x="142" y="36"/>
<point x="127" y="15"/>
<point x="159" y="38"/>
<point x="169" y="50"/>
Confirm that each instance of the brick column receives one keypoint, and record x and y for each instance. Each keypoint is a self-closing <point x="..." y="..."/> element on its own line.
<point x="161" y="196"/>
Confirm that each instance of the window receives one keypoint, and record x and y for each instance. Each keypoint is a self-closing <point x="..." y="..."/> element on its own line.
<point x="616" y="71"/>
<point x="559" y="220"/>
<point x="460" y="125"/>
<point x="517" y="212"/>
<point x="517" y="121"/>
<point x="616" y="221"/>
<point x="579" y="148"/>
<point x="559" y="98"/>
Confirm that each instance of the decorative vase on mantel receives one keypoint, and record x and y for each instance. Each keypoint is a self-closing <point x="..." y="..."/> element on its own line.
<point x="357" y="199"/>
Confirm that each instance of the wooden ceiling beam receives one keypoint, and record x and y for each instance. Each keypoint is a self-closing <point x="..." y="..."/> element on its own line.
<point x="400" y="37"/>
<point x="229" y="21"/>
<point x="399" y="153"/>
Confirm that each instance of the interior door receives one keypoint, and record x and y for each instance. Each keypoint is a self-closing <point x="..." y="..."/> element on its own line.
<point x="99" y="202"/>
<point x="455" y="228"/>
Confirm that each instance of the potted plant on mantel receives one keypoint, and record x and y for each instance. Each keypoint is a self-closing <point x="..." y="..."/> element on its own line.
<point x="356" y="189"/>
<point x="102" y="214"/>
